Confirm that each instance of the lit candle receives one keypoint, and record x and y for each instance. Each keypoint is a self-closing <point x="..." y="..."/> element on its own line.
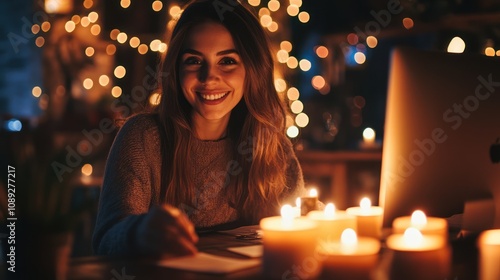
<point x="489" y="255"/>
<point x="426" y="225"/>
<point x="368" y="218"/>
<point x="288" y="242"/>
<point x="331" y="223"/>
<point x="296" y="209"/>
<point x="351" y="257"/>
<point x="369" y="141"/>
<point x="417" y="256"/>
<point x="309" y="203"/>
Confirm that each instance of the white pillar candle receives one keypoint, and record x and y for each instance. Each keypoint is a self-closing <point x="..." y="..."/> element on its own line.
<point x="352" y="257"/>
<point x="368" y="218"/>
<point x="288" y="243"/>
<point x="426" y="225"/>
<point x="489" y="255"/>
<point x="417" y="256"/>
<point x="331" y="223"/>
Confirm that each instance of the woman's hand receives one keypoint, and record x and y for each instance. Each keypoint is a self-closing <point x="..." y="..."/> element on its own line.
<point x="166" y="231"/>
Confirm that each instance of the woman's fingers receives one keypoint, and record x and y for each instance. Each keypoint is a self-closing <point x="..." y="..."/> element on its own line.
<point x="185" y="227"/>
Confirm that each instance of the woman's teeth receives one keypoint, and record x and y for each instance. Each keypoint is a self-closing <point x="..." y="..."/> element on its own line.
<point x="213" y="96"/>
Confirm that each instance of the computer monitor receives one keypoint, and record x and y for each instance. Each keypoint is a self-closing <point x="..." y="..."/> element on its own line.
<point x="442" y="133"/>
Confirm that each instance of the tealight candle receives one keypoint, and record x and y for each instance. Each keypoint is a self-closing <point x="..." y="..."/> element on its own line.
<point x="309" y="203"/>
<point x="489" y="255"/>
<point x="351" y="258"/>
<point x="332" y="223"/>
<point x="417" y="256"/>
<point x="426" y="225"/>
<point x="368" y="218"/>
<point x="287" y="242"/>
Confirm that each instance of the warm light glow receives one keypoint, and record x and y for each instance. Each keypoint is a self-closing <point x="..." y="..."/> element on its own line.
<point x="125" y="3"/>
<point x="456" y="45"/>
<point x="266" y="20"/>
<point x="348" y="241"/>
<point x="104" y="80"/>
<point x="36" y="91"/>
<point x="280" y="85"/>
<point x="87" y="169"/>
<point x="154" y="99"/>
<point x="85" y="21"/>
<point x="120" y="72"/>
<point x="121" y="38"/>
<point x="489" y="51"/>
<point x="329" y="211"/>
<point x="304" y="17"/>
<point x="296" y="107"/>
<point x="498" y="52"/>
<point x="110" y="49"/>
<point x="69" y="26"/>
<point x="352" y="39"/>
<point x="365" y="204"/>
<point x="408" y="23"/>
<point x="298" y="202"/>
<point x="292" y="10"/>
<point x="302" y="120"/>
<point x="418" y="219"/>
<point x="322" y="52"/>
<point x="45" y="26"/>
<point x="162" y="47"/>
<point x="134" y="42"/>
<point x="293" y="94"/>
<point x="93" y="16"/>
<point x="174" y="11"/>
<point x="286" y="45"/>
<point x="89" y="51"/>
<point x="273" y="5"/>
<point x="318" y="82"/>
<point x="264" y="11"/>
<point x="116" y="91"/>
<point x="35" y="28"/>
<point x="155" y="45"/>
<point x="287" y="215"/>
<point x="39" y="41"/>
<point x="292" y="62"/>
<point x="371" y="41"/>
<point x="305" y="65"/>
<point x="297" y="3"/>
<point x="58" y="6"/>
<point x="292" y="131"/>
<point x="95" y="29"/>
<point x="313" y="192"/>
<point x="157" y="6"/>
<point x="412" y="237"/>
<point x="76" y="19"/>
<point x="113" y="34"/>
<point x="369" y="135"/>
<point x="282" y="56"/>
<point x="273" y="27"/>
<point x="359" y="57"/>
<point x="88" y="83"/>
<point x="254" y="3"/>
<point x="87" y="4"/>
<point x="142" y="49"/>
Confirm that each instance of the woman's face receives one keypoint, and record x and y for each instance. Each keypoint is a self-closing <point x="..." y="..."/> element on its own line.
<point x="212" y="74"/>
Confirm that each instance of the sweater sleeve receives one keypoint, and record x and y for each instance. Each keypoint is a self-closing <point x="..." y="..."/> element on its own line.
<point x="127" y="188"/>
<point x="294" y="176"/>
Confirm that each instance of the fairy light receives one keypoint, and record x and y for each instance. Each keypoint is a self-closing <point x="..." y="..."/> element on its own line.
<point x="89" y="51"/>
<point x="87" y="4"/>
<point x="292" y="94"/>
<point x="93" y="16"/>
<point x="273" y="27"/>
<point x="266" y="20"/>
<point x="352" y="38"/>
<point x="69" y="26"/>
<point x="85" y="21"/>
<point x="110" y="49"/>
<point x="280" y="85"/>
<point x="254" y="3"/>
<point x="273" y="5"/>
<point x="125" y="3"/>
<point x="134" y="42"/>
<point x="104" y="80"/>
<point x="305" y="65"/>
<point x="116" y="91"/>
<point x="154" y="45"/>
<point x="297" y="106"/>
<point x="76" y="19"/>
<point x="292" y="62"/>
<point x="36" y="91"/>
<point x="121" y="38"/>
<point x="282" y="56"/>
<point x="292" y="131"/>
<point x="302" y="120"/>
<point x="359" y="57"/>
<point x="35" y="28"/>
<point x="162" y="47"/>
<point x="322" y="52"/>
<point x="318" y="82"/>
<point x="154" y="99"/>
<point x="286" y="45"/>
<point x="297" y="3"/>
<point x="95" y="29"/>
<point x="371" y="41"/>
<point x="157" y="6"/>
<point x="142" y="49"/>
<point x="174" y="11"/>
<point x="45" y="26"/>
<point x="40" y="41"/>
<point x="292" y="10"/>
<point x="489" y="51"/>
<point x="304" y="17"/>
<point x="113" y="34"/>
<point x="88" y="83"/>
<point x="264" y="11"/>
<point x="408" y="23"/>
<point x="119" y="71"/>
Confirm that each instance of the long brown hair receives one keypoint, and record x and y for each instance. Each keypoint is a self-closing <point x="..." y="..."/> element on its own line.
<point x="256" y="124"/>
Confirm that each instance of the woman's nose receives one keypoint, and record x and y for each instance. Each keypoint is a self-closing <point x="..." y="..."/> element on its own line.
<point x="208" y="73"/>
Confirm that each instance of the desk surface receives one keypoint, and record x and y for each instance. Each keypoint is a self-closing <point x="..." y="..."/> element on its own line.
<point x="106" y="268"/>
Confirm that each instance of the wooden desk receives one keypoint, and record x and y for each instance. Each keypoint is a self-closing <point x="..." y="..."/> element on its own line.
<point x="335" y="166"/>
<point x="106" y="268"/>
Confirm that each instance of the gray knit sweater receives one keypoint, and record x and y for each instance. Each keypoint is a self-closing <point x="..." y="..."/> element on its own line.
<point x="132" y="184"/>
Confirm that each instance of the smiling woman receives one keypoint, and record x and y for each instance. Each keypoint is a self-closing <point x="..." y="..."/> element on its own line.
<point x="213" y="154"/>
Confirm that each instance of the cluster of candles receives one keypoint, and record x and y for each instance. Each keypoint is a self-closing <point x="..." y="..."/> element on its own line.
<point x="304" y="242"/>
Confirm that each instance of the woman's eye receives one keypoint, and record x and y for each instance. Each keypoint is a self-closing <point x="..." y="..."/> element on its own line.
<point x="192" y="61"/>
<point x="228" y="61"/>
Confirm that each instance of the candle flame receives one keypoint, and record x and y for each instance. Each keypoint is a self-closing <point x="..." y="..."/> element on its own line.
<point x="287" y="213"/>
<point x="329" y="211"/>
<point x="412" y="237"/>
<point x="418" y="219"/>
<point x="365" y="204"/>
<point x="298" y="202"/>
<point x="313" y="192"/>
<point x="348" y="241"/>
<point x="369" y="135"/>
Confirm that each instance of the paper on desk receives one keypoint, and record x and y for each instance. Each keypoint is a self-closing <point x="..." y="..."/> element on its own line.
<point x="253" y="251"/>
<point x="207" y="263"/>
